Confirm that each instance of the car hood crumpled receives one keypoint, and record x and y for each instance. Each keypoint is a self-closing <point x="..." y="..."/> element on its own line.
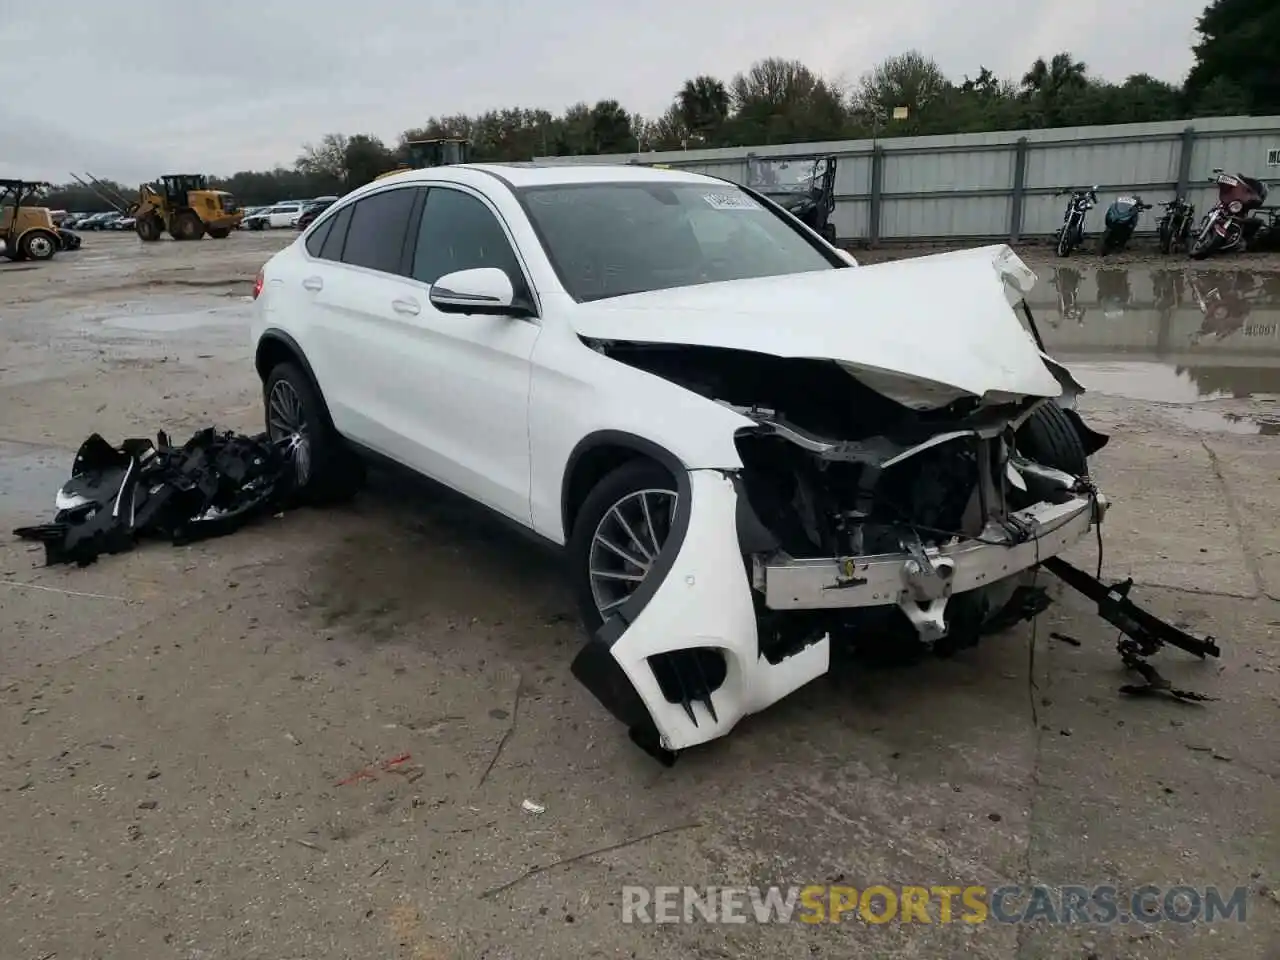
<point x="942" y="324"/>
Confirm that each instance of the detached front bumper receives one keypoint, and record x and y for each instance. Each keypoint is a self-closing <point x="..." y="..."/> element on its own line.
<point x="687" y="665"/>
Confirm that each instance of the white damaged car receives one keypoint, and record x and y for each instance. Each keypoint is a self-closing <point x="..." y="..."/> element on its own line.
<point x="751" y="447"/>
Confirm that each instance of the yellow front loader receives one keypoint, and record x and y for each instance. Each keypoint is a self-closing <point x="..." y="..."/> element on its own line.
<point x="183" y="205"/>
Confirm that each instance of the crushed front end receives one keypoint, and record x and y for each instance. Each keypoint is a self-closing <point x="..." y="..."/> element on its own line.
<point x="917" y="532"/>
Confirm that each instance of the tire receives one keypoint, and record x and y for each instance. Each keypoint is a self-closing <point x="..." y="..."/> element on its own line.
<point x="1050" y="439"/>
<point x="1204" y="246"/>
<point x="1064" y="242"/>
<point x="219" y="233"/>
<point x="148" y="228"/>
<point x="1166" y="237"/>
<point x="627" y="481"/>
<point x="38" y="245"/>
<point x="186" y="226"/>
<point x="328" y="472"/>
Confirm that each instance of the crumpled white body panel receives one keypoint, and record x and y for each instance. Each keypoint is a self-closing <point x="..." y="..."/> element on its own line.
<point x="945" y="321"/>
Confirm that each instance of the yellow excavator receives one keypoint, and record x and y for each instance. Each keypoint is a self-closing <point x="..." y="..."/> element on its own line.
<point x="181" y="203"/>
<point x="432" y="153"/>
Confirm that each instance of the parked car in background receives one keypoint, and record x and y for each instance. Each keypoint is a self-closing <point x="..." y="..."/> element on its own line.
<point x="276" y="217"/>
<point x="311" y="210"/>
<point x="97" y="221"/>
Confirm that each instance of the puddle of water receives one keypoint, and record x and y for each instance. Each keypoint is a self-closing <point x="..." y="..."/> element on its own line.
<point x="29" y="479"/>
<point x="1210" y="421"/>
<point x="177" y="322"/>
<point x="1170" y="334"/>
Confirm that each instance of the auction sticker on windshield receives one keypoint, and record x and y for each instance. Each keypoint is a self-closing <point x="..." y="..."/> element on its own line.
<point x="727" y="201"/>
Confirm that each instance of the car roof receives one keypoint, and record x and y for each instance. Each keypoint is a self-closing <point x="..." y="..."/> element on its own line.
<point x="555" y="174"/>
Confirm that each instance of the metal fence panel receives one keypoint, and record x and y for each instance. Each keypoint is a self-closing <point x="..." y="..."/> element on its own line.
<point x="1001" y="185"/>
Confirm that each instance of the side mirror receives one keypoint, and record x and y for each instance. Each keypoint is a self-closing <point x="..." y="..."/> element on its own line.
<point x="483" y="290"/>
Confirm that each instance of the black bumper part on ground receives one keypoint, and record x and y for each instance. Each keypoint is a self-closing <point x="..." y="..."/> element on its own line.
<point x="212" y="485"/>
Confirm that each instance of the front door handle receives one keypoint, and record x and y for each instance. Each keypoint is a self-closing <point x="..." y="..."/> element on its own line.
<point x="312" y="283"/>
<point x="408" y="307"/>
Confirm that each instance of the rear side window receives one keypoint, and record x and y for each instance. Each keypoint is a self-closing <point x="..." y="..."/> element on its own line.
<point x="331" y="249"/>
<point x="315" y="242"/>
<point x="378" y="225"/>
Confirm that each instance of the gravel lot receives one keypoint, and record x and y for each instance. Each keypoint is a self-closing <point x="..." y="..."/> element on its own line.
<point x="177" y="722"/>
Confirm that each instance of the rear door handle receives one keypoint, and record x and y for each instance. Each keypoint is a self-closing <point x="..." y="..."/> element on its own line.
<point x="312" y="283"/>
<point x="408" y="307"/>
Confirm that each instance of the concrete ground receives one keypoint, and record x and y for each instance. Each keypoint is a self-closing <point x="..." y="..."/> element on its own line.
<point x="180" y="726"/>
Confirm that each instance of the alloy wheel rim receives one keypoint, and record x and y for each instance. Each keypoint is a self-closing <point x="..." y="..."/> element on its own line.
<point x="625" y="545"/>
<point x="287" y="424"/>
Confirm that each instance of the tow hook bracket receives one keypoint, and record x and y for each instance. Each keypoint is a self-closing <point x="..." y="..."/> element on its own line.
<point x="1143" y="632"/>
<point x="928" y="588"/>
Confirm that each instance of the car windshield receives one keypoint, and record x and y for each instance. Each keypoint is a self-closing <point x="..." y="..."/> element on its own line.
<point x="785" y="176"/>
<point x="612" y="239"/>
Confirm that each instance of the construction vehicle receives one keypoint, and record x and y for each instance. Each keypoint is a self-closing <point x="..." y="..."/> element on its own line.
<point x="432" y="153"/>
<point x="804" y="186"/>
<point x="181" y="203"/>
<point x="28" y="231"/>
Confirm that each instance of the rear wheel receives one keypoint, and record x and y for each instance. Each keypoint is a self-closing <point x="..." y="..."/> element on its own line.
<point x="38" y="245"/>
<point x="325" y="470"/>
<point x="187" y="226"/>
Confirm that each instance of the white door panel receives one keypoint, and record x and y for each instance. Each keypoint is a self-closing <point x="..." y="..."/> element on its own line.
<point x="469" y="393"/>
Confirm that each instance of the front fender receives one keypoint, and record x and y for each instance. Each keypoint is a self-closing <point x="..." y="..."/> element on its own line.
<point x="576" y="393"/>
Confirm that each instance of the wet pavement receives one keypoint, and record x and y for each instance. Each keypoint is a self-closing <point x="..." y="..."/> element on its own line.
<point x="180" y="726"/>
<point x="1169" y="335"/>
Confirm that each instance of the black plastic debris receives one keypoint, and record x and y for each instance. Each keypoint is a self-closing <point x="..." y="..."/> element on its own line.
<point x="212" y="485"/>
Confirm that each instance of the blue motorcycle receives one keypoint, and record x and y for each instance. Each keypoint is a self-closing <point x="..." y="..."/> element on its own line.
<point x="1121" y="220"/>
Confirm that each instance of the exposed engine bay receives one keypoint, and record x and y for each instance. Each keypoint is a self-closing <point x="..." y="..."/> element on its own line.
<point x="834" y="468"/>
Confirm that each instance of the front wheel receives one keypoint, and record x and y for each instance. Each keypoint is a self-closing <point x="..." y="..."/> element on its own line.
<point x="1206" y="244"/>
<point x="325" y="470"/>
<point x="38" y="245"/>
<point x="219" y="233"/>
<point x="618" y="537"/>
<point x="1166" y="237"/>
<point x="1049" y="437"/>
<point x="148" y="228"/>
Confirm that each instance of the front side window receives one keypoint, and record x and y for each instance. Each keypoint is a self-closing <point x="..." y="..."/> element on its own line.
<point x="379" y="223"/>
<point x="611" y="239"/>
<point x="459" y="232"/>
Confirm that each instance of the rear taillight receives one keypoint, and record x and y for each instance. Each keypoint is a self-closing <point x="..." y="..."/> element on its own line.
<point x="257" y="285"/>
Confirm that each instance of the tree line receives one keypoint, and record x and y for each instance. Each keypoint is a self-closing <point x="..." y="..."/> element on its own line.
<point x="778" y="101"/>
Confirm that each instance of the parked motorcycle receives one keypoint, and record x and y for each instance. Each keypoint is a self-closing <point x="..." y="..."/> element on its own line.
<point x="1120" y="222"/>
<point x="1071" y="233"/>
<point x="1229" y="225"/>
<point x="1174" y="225"/>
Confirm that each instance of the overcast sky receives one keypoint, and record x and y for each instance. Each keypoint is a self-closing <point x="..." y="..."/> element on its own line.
<point x="131" y="89"/>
